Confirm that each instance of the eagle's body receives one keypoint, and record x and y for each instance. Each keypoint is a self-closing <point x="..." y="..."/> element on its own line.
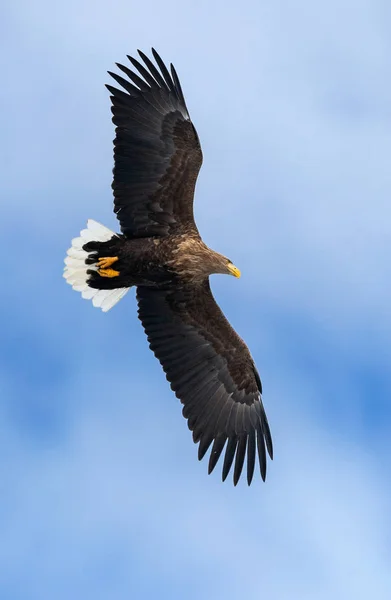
<point x="156" y="261"/>
<point x="157" y="157"/>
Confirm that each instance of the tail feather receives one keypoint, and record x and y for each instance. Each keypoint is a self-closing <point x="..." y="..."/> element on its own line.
<point x="76" y="267"/>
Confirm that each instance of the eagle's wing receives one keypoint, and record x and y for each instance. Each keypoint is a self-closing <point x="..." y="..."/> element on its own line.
<point x="157" y="153"/>
<point x="211" y="371"/>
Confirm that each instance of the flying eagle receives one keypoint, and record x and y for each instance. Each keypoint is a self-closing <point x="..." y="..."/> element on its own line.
<point x="157" y="157"/>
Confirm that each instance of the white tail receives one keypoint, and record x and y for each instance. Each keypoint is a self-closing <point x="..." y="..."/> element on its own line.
<point x="75" y="271"/>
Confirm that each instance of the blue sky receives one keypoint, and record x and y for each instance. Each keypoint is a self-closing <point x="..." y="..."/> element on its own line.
<point x="101" y="492"/>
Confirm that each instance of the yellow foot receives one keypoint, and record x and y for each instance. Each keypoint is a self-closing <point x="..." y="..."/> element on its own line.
<point x="108" y="273"/>
<point x="106" y="262"/>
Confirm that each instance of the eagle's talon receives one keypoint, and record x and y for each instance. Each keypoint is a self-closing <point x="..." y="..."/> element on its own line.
<point x="108" y="273"/>
<point x="106" y="261"/>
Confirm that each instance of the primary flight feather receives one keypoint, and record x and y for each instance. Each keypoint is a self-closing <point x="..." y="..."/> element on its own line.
<point x="157" y="157"/>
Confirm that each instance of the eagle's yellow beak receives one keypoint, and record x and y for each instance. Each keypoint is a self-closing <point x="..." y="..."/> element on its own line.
<point x="233" y="270"/>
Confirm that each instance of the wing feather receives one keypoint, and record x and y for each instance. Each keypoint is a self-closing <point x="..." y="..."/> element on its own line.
<point x="250" y="456"/>
<point x="217" y="448"/>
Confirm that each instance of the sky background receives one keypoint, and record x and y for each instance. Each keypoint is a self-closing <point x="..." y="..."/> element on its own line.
<point x="101" y="493"/>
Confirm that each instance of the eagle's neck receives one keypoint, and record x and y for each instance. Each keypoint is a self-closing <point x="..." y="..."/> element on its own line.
<point x="193" y="261"/>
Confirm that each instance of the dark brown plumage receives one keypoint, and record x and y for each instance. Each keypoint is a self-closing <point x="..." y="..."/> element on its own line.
<point x="157" y="157"/>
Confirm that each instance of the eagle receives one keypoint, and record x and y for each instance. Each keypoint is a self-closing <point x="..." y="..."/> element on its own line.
<point x="157" y="158"/>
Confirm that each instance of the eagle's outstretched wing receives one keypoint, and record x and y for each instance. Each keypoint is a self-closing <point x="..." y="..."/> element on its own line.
<point x="211" y="371"/>
<point x="157" y="153"/>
